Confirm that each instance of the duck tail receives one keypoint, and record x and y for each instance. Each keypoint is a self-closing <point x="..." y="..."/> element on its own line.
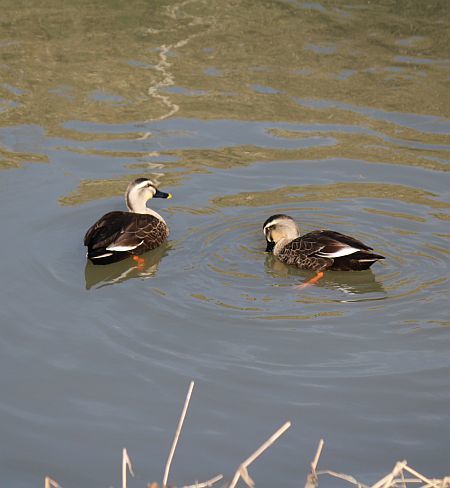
<point x="365" y="259"/>
<point x="102" y="256"/>
<point x="357" y="261"/>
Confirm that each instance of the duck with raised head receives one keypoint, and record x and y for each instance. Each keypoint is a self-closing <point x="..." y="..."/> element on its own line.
<point x="118" y="235"/>
<point x="318" y="250"/>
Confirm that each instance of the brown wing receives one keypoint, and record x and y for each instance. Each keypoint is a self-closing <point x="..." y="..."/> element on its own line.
<point x="302" y="253"/>
<point x="332" y="241"/>
<point x="106" y="229"/>
<point x="141" y="233"/>
<point x="331" y="244"/>
<point x="147" y="230"/>
<point x="126" y="231"/>
<point x="322" y="249"/>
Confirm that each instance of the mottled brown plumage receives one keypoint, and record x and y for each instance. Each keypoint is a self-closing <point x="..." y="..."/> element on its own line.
<point x="125" y="229"/>
<point x="318" y="250"/>
<point x="117" y="235"/>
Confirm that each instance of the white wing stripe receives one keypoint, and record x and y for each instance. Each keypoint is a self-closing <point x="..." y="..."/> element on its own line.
<point x="123" y="248"/>
<point x="101" y="255"/>
<point x="342" y="252"/>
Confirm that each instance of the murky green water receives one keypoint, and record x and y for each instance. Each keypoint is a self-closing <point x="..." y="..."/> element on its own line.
<point x="337" y="113"/>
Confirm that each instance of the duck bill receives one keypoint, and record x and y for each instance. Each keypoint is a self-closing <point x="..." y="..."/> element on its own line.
<point x="270" y="246"/>
<point x="161" y="194"/>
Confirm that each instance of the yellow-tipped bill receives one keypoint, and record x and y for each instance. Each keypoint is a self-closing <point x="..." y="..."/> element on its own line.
<point x="162" y="194"/>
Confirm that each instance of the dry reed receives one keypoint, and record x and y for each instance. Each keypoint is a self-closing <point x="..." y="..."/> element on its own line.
<point x="401" y="476"/>
<point x="126" y="463"/>
<point x="394" y="479"/>
<point x="177" y="434"/>
<point x="242" y="472"/>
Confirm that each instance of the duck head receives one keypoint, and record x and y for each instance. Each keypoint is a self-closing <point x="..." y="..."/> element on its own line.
<point x="139" y="192"/>
<point x="279" y="229"/>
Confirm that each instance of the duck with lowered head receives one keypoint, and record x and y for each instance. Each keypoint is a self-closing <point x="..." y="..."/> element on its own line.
<point x="318" y="250"/>
<point x="118" y="235"/>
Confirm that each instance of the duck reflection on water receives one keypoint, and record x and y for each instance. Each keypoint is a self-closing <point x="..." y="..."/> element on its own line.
<point x="101" y="276"/>
<point x="360" y="283"/>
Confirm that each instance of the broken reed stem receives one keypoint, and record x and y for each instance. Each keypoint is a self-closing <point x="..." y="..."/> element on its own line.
<point x="49" y="483"/>
<point x="243" y="467"/>
<point x="177" y="434"/>
<point x="386" y="481"/>
<point x="344" y="477"/>
<point x="403" y="479"/>
<point x="311" y="479"/>
<point x="206" y="484"/>
<point x="126" y="463"/>
<point x="394" y="478"/>
<point x="317" y="456"/>
<point x="436" y="483"/>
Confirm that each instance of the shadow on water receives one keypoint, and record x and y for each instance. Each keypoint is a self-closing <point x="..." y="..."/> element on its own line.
<point x="350" y="282"/>
<point x="100" y="276"/>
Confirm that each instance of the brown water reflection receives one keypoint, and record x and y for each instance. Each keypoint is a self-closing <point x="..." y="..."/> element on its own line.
<point x="61" y="61"/>
<point x="363" y="283"/>
<point x="333" y="191"/>
<point x="100" y="276"/>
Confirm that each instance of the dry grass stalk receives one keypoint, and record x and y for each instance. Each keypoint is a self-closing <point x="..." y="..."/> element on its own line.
<point x="436" y="483"/>
<point x="403" y="479"/>
<point x="317" y="456"/>
<point x="344" y="477"/>
<point x="126" y="463"/>
<point x="394" y="479"/>
<point x="387" y="480"/>
<point x="206" y="484"/>
<point x="242" y="472"/>
<point x="203" y="484"/>
<point x="49" y="483"/>
<point x="311" y="480"/>
<point x="177" y="434"/>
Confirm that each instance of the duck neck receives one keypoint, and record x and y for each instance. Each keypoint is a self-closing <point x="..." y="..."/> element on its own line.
<point x="279" y="246"/>
<point x="140" y="207"/>
<point x="149" y="211"/>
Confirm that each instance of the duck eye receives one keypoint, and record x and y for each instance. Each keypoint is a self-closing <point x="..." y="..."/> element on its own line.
<point x="268" y="232"/>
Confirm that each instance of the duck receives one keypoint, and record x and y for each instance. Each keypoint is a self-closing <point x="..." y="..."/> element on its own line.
<point x="118" y="235"/>
<point x="319" y="250"/>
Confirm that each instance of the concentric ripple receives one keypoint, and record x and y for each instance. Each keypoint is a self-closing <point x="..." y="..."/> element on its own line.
<point x="226" y="271"/>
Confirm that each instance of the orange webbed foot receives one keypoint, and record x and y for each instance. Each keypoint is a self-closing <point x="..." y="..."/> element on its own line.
<point x="139" y="261"/>
<point x="312" y="281"/>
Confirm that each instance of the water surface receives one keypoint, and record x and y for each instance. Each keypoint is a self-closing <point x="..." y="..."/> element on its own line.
<point x="335" y="113"/>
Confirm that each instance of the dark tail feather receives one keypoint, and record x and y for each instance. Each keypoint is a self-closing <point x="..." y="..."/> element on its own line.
<point x="102" y="256"/>
<point x="373" y="256"/>
<point x="357" y="261"/>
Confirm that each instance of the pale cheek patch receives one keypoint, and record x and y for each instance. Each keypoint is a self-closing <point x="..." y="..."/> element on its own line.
<point x="276" y="235"/>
